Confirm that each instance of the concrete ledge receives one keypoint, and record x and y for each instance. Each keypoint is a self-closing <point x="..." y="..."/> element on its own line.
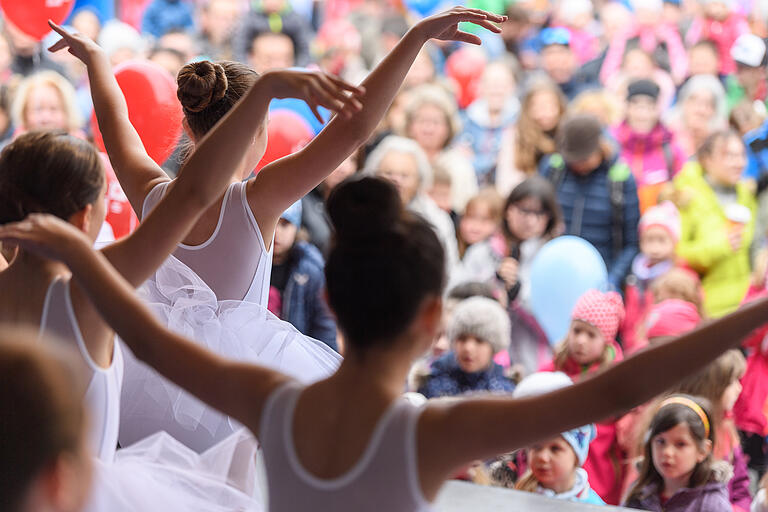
<point x="458" y="496"/>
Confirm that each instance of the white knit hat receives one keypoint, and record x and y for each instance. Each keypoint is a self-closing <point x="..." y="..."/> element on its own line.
<point x="482" y="318"/>
<point x="542" y="383"/>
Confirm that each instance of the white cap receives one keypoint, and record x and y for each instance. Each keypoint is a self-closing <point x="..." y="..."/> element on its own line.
<point x="749" y="50"/>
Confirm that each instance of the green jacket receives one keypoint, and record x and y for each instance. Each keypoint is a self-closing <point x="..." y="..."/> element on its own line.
<point x="704" y="241"/>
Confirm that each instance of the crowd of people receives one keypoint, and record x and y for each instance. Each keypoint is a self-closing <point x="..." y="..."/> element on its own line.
<point x="389" y="253"/>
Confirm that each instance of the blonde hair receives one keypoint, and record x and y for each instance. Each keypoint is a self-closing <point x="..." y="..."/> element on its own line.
<point x="64" y="89"/>
<point x="594" y="101"/>
<point x="680" y="284"/>
<point x="531" y="142"/>
<point x="711" y="383"/>
<point x="435" y="95"/>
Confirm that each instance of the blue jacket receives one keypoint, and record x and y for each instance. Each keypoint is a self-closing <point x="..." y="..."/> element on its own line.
<point x="587" y="212"/>
<point x="448" y="379"/>
<point x="757" y="152"/>
<point x="162" y="16"/>
<point x="303" y="303"/>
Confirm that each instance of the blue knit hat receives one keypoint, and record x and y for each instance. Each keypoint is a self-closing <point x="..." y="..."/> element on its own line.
<point x="545" y="382"/>
<point x="293" y="214"/>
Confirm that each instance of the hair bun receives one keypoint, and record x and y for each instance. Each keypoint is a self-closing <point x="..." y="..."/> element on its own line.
<point x="201" y="84"/>
<point x="363" y="208"/>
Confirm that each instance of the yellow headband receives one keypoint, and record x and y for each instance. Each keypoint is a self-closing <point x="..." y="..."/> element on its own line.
<point x="681" y="400"/>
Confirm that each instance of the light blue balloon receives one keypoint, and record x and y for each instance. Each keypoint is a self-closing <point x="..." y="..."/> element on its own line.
<point x="561" y="272"/>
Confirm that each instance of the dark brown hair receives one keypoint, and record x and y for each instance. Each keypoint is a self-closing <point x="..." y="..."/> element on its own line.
<point x="539" y="188"/>
<point x="42" y="415"/>
<point x="666" y="418"/>
<point x="208" y="90"/>
<point x="384" y="262"/>
<point x="48" y="172"/>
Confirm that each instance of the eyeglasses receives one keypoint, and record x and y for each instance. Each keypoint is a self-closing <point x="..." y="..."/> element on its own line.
<point x="558" y="35"/>
<point x="539" y="214"/>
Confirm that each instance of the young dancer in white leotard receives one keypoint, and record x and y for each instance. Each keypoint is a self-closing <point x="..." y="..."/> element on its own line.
<point x="349" y="442"/>
<point x="61" y="175"/>
<point x="229" y="248"/>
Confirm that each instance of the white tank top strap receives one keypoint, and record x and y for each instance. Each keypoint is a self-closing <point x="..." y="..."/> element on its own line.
<point x="384" y="478"/>
<point x="103" y="393"/>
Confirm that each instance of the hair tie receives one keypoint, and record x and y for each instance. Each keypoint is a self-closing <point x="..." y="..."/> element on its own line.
<point x="687" y="402"/>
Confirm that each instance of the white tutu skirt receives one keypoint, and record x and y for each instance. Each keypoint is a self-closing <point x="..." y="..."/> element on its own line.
<point x="242" y="331"/>
<point x="159" y="474"/>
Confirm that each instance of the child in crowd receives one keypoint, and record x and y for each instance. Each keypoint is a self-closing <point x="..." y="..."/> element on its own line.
<point x="720" y="23"/>
<point x="659" y="233"/>
<point x="297" y="281"/>
<point x="44" y="460"/>
<point x="679" y="473"/>
<point x="720" y="384"/>
<point x="478" y="329"/>
<point x="589" y="346"/>
<point x="556" y="464"/>
<point x="647" y="145"/>
<point x="481" y="219"/>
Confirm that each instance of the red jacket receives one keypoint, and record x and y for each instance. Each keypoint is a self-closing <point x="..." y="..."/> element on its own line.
<point x="604" y="462"/>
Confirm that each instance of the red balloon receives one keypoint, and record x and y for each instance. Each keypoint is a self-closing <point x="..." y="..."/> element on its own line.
<point x="287" y="133"/>
<point x="464" y="67"/>
<point x="153" y="109"/>
<point x="31" y="16"/>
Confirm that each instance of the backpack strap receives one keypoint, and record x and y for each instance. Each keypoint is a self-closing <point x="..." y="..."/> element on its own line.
<point x="669" y="157"/>
<point x="556" y="164"/>
<point x="618" y="174"/>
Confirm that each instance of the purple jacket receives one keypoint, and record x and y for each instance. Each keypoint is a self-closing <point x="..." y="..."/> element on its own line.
<point x="738" y="485"/>
<point x="711" y="497"/>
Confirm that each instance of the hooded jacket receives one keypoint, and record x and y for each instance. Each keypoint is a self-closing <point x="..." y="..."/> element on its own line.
<point x="710" y="497"/>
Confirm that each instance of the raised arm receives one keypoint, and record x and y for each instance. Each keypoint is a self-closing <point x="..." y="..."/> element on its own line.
<point x="283" y="182"/>
<point x="487" y="427"/>
<point x="137" y="172"/>
<point x="137" y="256"/>
<point x="214" y="380"/>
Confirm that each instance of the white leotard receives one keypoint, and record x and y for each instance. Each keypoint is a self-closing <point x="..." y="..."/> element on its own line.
<point x="234" y="261"/>
<point x="103" y="393"/>
<point x="384" y="479"/>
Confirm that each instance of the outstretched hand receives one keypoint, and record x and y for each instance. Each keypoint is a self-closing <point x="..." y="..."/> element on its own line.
<point x="445" y="26"/>
<point x="77" y="44"/>
<point x="319" y="89"/>
<point x="47" y="236"/>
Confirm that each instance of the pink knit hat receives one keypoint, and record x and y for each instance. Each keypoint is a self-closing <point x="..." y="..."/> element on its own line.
<point x="603" y="310"/>
<point x="664" y="215"/>
<point x="671" y="317"/>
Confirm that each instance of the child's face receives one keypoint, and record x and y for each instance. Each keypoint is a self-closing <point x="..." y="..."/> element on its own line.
<point x="527" y="218"/>
<point x="477" y="224"/>
<point x="730" y="395"/>
<point x="285" y="236"/>
<point x="429" y="127"/>
<point x="657" y="244"/>
<point x="642" y="113"/>
<point x="703" y="61"/>
<point x="553" y="463"/>
<point x="676" y="453"/>
<point x="545" y="110"/>
<point x="585" y="342"/>
<point x="717" y="11"/>
<point x="472" y="354"/>
<point x="441" y="195"/>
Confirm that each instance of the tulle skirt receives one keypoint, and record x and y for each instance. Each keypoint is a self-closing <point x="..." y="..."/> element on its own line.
<point x="159" y="474"/>
<point x="242" y="331"/>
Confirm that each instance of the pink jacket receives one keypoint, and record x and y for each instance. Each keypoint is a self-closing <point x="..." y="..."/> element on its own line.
<point x="649" y="155"/>
<point x="649" y="38"/>
<point x="723" y="33"/>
